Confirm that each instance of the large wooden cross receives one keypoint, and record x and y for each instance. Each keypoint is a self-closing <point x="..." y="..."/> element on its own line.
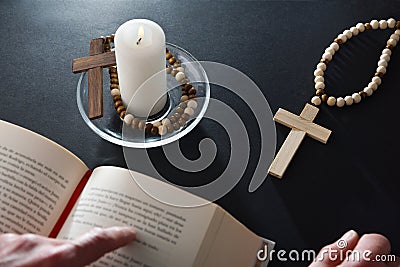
<point x="301" y="125"/>
<point x="94" y="65"/>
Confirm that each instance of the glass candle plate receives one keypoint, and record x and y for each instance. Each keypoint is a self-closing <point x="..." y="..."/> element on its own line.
<point x="111" y="128"/>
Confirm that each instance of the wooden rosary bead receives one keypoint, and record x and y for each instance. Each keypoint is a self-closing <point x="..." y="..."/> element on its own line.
<point x="170" y="128"/>
<point x="338" y="41"/>
<point x="112" y="70"/>
<point x="324" y="98"/>
<point x="122" y="114"/>
<point x="120" y="109"/>
<point x="135" y="123"/>
<point x="182" y="105"/>
<point x="368" y="26"/>
<point x="128" y="119"/>
<point x="368" y="91"/>
<point x="377" y="80"/>
<point x="391" y="23"/>
<point x="192" y="96"/>
<point x="331" y="101"/>
<point x="316" y="100"/>
<point x="356" y="97"/>
<point x="180" y="69"/>
<point x="168" y="69"/>
<point x="179" y="110"/>
<point x="181" y="122"/>
<point x="114" y="81"/>
<point x="107" y="47"/>
<point x="141" y="124"/>
<point x="116" y="98"/>
<point x="148" y="128"/>
<point x="189" y="111"/>
<point x="362" y="94"/>
<point x="319" y="85"/>
<point x="174" y="72"/>
<point x="378" y="74"/>
<point x="389" y="46"/>
<point x="398" y="25"/>
<point x="185" y="116"/>
<point x="172" y="60"/>
<point x="340" y="102"/>
<point x="166" y="121"/>
<point x="192" y="91"/>
<point x="192" y="104"/>
<point x="117" y="103"/>
<point x="180" y="76"/>
<point x="318" y="72"/>
<point x="187" y="86"/>
<point x="176" y="126"/>
<point x="172" y="119"/>
<point x="114" y="75"/>
<point x="115" y="92"/>
<point x="348" y="100"/>
<point x="320" y="92"/>
<point x="154" y="131"/>
<point x="176" y="64"/>
<point x="162" y="130"/>
<point x="114" y="86"/>
<point x="168" y="55"/>
<point x="374" y="24"/>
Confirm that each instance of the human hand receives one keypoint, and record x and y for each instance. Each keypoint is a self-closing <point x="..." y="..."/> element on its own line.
<point x="29" y="250"/>
<point x="369" y="247"/>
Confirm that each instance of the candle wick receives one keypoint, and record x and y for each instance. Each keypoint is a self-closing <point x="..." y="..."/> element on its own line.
<point x="138" y="42"/>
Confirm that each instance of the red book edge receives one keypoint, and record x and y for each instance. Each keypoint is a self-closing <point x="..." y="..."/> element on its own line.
<point x="75" y="195"/>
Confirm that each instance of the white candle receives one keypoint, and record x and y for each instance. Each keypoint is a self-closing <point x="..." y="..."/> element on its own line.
<point x="140" y="53"/>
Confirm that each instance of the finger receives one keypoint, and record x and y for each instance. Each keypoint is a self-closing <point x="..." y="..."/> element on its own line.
<point x="98" y="242"/>
<point x="333" y="254"/>
<point x="368" y="247"/>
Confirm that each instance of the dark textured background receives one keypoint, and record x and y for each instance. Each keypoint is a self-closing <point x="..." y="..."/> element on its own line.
<point x="352" y="182"/>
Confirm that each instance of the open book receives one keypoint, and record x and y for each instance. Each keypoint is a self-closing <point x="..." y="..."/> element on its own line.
<point x="46" y="190"/>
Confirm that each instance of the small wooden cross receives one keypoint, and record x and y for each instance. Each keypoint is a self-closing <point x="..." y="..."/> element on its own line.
<point x="301" y="125"/>
<point x="94" y="65"/>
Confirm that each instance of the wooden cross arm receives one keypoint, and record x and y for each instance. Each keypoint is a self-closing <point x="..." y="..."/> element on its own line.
<point x="82" y="64"/>
<point x="297" y="122"/>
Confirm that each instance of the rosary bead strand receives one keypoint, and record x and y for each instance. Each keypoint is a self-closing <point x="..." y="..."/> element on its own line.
<point x="319" y="80"/>
<point x="183" y="112"/>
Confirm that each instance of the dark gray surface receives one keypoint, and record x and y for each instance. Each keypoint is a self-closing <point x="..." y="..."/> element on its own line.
<point x="352" y="182"/>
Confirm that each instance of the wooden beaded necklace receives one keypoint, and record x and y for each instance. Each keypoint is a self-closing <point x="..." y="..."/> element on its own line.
<point x="303" y="124"/>
<point x="182" y="113"/>
<point x="321" y="96"/>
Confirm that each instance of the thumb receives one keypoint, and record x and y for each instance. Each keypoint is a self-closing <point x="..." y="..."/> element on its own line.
<point x="333" y="254"/>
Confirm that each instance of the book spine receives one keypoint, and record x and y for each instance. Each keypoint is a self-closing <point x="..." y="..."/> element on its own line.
<point x="70" y="205"/>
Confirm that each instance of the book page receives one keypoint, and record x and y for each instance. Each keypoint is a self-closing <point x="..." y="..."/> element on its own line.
<point x="233" y="244"/>
<point x="166" y="235"/>
<point x="37" y="177"/>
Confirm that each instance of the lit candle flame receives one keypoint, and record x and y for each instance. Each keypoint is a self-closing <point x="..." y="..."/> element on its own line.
<point x="140" y="34"/>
